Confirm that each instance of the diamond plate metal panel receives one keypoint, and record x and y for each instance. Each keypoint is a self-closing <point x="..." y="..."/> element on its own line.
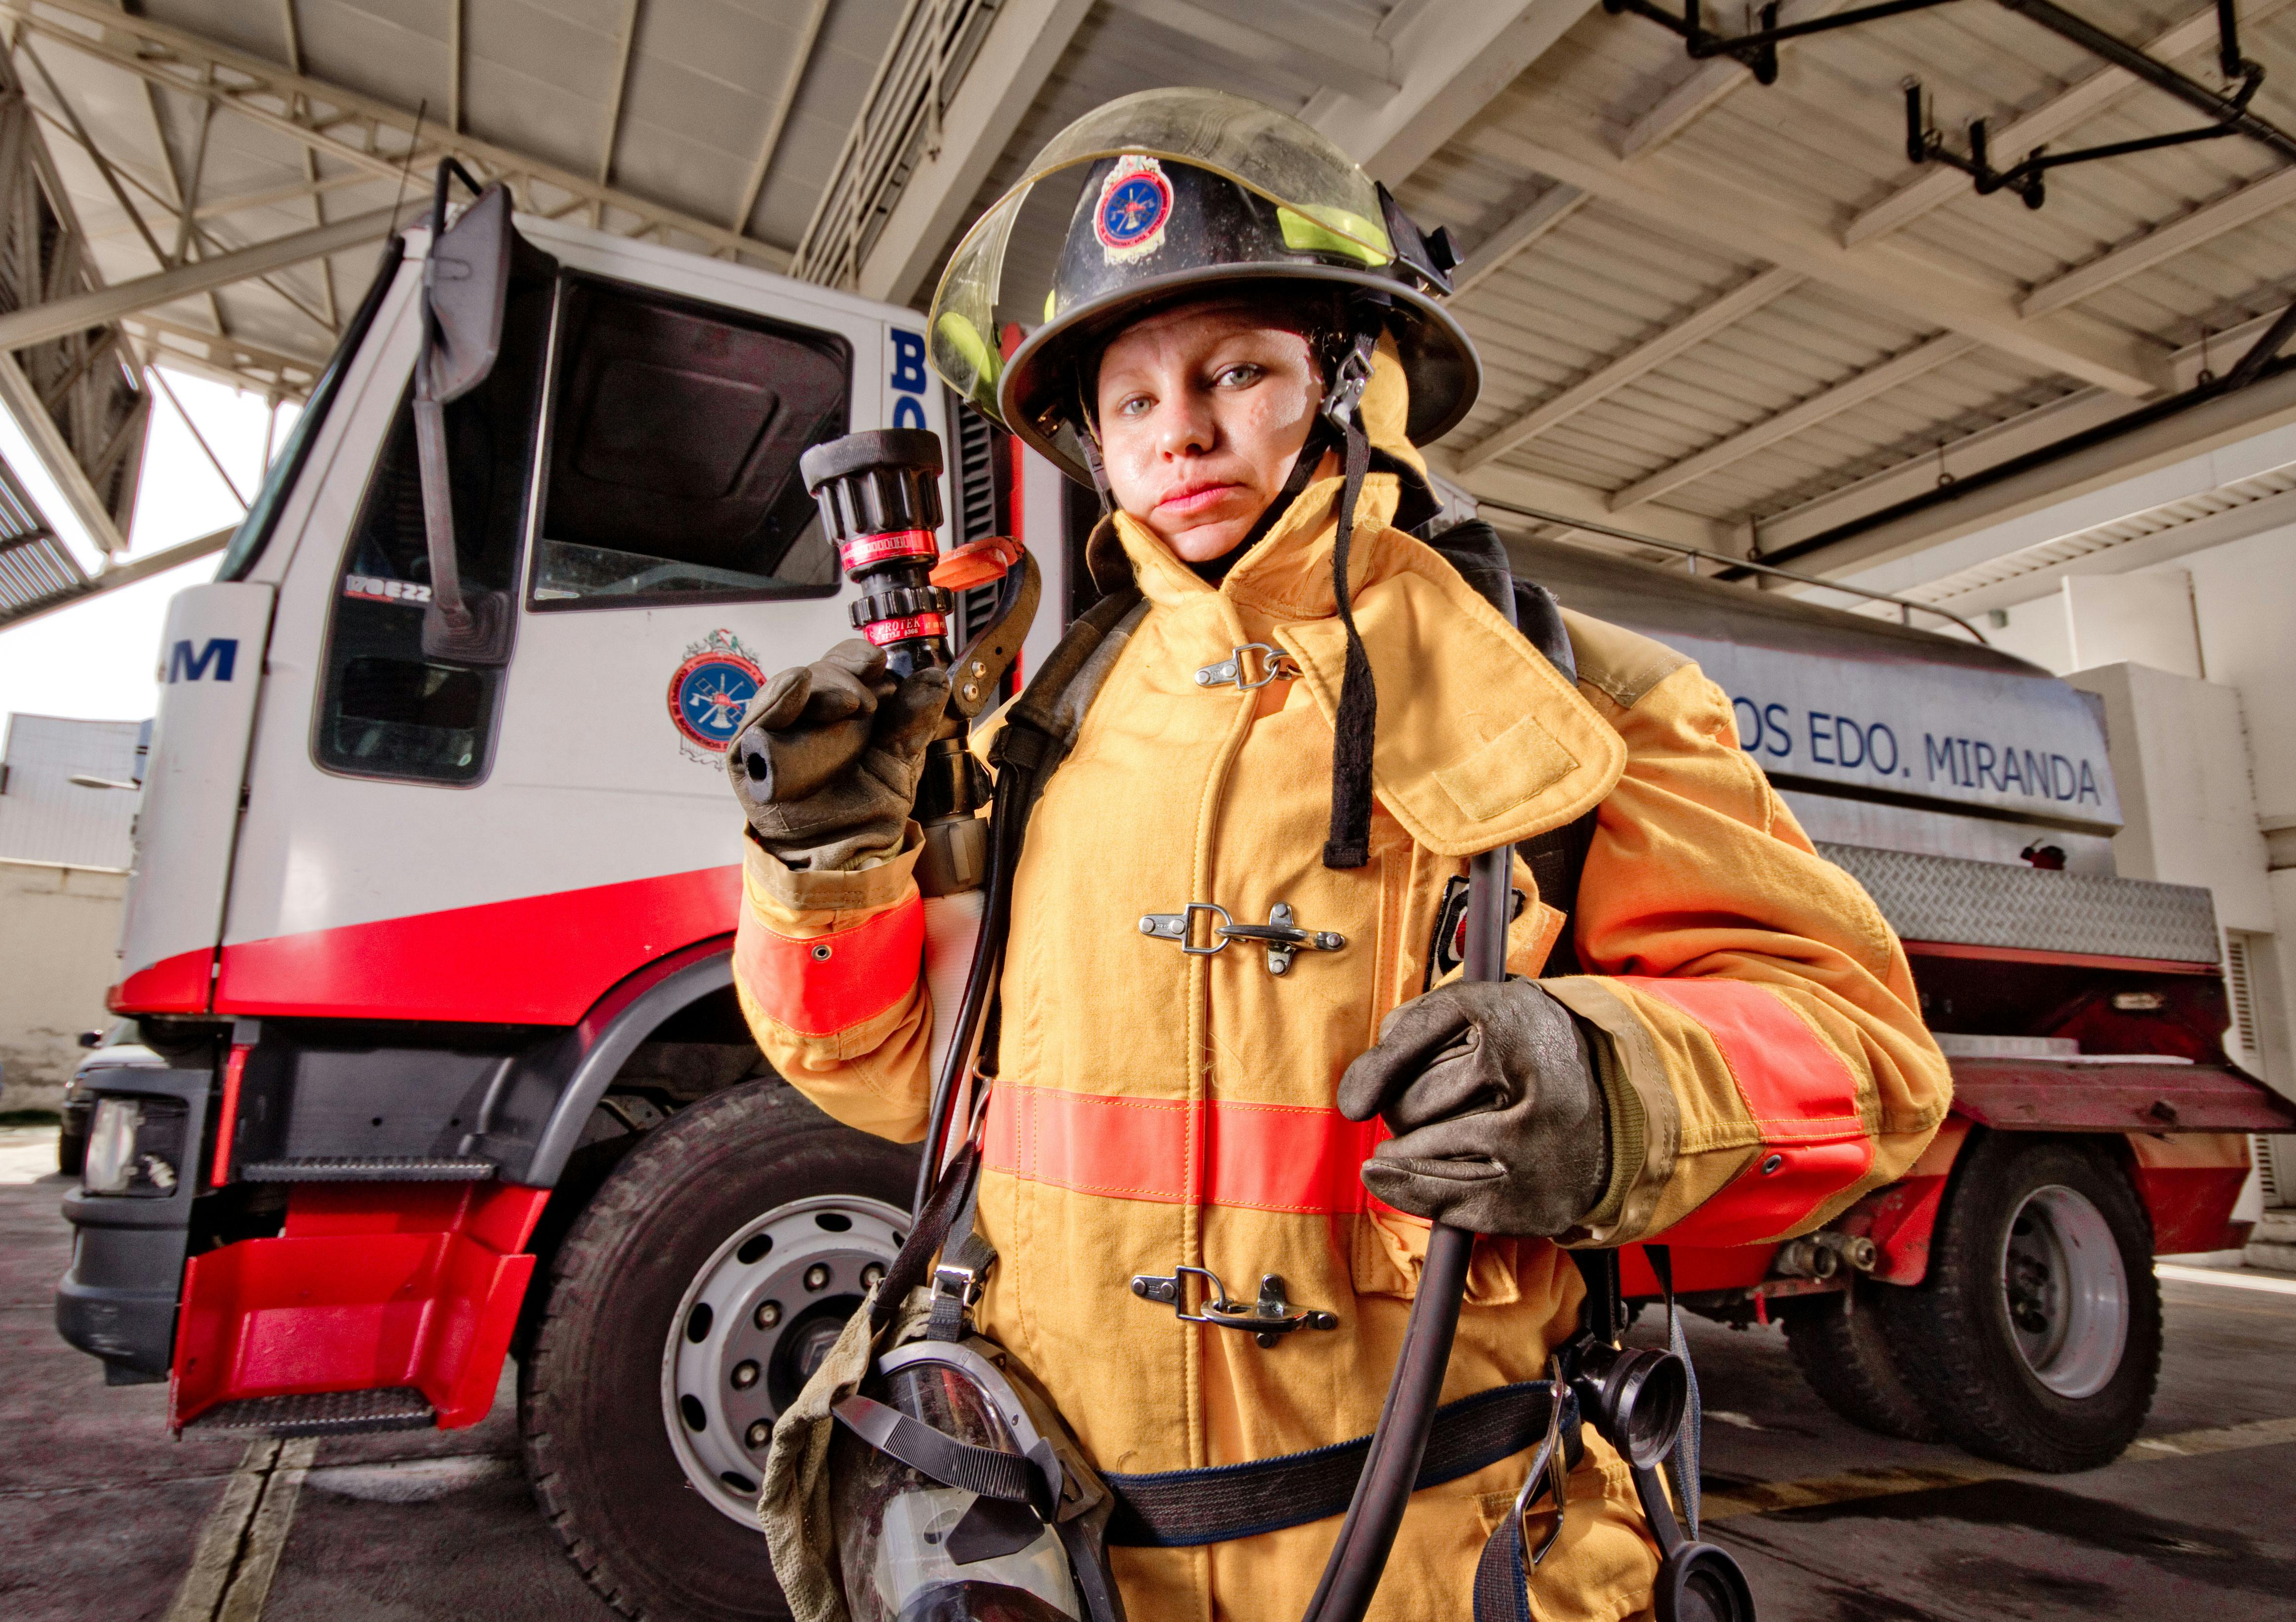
<point x="1986" y="904"/>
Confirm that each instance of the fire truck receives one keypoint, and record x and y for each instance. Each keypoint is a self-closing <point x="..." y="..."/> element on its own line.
<point x="438" y="1070"/>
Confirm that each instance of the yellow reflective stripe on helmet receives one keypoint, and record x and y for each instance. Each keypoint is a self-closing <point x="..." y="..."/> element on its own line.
<point x="960" y="335"/>
<point x="1313" y="229"/>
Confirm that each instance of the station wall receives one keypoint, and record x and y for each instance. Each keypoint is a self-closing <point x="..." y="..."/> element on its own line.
<point x="58" y="953"/>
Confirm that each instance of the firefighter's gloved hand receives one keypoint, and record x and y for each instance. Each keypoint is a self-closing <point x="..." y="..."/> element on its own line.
<point x="826" y="765"/>
<point x="1499" y="1123"/>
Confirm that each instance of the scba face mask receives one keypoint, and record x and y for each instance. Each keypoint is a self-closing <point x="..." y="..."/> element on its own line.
<point x="951" y="1505"/>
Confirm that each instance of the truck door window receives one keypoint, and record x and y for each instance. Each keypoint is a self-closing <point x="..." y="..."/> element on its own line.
<point x="673" y="446"/>
<point x="385" y="709"/>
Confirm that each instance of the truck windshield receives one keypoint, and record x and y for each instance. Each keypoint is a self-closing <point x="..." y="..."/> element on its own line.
<point x="673" y="446"/>
<point x="254" y="531"/>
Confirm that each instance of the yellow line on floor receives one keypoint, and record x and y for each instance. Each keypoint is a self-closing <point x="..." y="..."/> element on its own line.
<point x="1761" y="1497"/>
<point x="240" y="1542"/>
<point x="2226" y="1278"/>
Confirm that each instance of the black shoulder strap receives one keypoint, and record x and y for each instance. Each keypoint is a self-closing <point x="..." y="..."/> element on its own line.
<point x="1040" y="727"/>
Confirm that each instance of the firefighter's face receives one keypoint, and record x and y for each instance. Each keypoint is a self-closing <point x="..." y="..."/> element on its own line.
<point x="1201" y="411"/>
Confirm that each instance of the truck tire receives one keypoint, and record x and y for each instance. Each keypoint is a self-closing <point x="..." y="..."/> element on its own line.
<point x="686" y="1306"/>
<point x="1844" y="1352"/>
<point x="2035" y="1338"/>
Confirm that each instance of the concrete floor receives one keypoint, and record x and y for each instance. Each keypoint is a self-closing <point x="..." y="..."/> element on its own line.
<point x="102" y="1516"/>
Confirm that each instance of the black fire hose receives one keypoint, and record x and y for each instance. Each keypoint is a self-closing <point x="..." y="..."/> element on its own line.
<point x="1358" y="1557"/>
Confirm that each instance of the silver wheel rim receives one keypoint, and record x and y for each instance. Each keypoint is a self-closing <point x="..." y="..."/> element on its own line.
<point x="2065" y="1290"/>
<point x="756" y="1320"/>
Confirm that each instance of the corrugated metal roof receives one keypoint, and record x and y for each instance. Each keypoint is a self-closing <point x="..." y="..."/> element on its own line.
<point x="1860" y="366"/>
<point x="2105" y="537"/>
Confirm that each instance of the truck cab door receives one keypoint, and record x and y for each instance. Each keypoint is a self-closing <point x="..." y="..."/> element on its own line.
<point x="435" y="838"/>
<point x="213" y="658"/>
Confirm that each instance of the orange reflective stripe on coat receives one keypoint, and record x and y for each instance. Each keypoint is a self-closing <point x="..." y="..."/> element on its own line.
<point x="830" y="983"/>
<point x="1258" y="1157"/>
<point x="1801" y="1096"/>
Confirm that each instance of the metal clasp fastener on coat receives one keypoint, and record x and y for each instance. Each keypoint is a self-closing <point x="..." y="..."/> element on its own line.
<point x="1282" y="933"/>
<point x="1267" y="1319"/>
<point x="1275" y="665"/>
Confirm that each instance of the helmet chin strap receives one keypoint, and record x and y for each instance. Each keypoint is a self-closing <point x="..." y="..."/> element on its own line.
<point x="1353" y="727"/>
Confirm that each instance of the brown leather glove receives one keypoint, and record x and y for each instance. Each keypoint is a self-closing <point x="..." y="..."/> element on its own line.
<point x="1499" y="1122"/>
<point x="826" y="765"/>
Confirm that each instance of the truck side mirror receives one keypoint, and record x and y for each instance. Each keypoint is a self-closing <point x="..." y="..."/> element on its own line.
<point x="465" y="285"/>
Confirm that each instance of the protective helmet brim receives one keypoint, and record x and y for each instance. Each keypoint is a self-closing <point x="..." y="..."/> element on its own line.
<point x="1037" y="396"/>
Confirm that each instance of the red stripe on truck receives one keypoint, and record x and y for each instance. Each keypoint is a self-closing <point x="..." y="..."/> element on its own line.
<point x="173" y="985"/>
<point x="539" y="960"/>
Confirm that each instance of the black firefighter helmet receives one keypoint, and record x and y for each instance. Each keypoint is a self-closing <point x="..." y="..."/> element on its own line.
<point x="1185" y="192"/>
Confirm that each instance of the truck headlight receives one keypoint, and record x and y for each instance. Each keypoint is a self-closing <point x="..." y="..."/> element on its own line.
<point x="134" y="1146"/>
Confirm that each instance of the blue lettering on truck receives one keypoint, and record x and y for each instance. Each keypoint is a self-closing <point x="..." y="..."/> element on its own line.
<point x="1846" y="743"/>
<point x="909" y="378"/>
<point x="1974" y="763"/>
<point x="220" y="654"/>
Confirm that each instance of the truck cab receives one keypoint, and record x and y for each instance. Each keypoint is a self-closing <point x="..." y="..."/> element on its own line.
<point x="421" y="942"/>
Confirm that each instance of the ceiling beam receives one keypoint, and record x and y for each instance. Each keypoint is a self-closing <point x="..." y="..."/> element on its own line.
<point x="294" y="37"/>
<point x="801" y="59"/>
<point x="1570" y="499"/>
<point x="457" y="55"/>
<point x="1554" y="204"/>
<point x="271" y="197"/>
<point x="2239" y="415"/>
<point x="1705" y="87"/>
<point x="21" y="400"/>
<point x="1692" y="329"/>
<point x="617" y="91"/>
<point x="1288" y="38"/>
<point x="1988" y="447"/>
<point x="1939" y="185"/>
<point x="1851" y="391"/>
<point x="24" y="327"/>
<point x="1022" y="46"/>
<point x="176" y="60"/>
<point x="180" y="344"/>
<point x="1451" y="59"/>
<point x="128" y="574"/>
<point x="1717" y="209"/>
<point x="2227" y="214"/>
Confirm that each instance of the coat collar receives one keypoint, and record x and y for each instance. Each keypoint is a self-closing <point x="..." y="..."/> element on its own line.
<point x="1481" y="742"/>
<point x="1287" y="574"/>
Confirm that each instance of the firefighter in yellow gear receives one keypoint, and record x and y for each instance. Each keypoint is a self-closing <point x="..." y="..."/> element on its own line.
<point x="1738" y="1056"/>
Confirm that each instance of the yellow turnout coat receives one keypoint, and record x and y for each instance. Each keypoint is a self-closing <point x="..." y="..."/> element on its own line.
<point x="1153" y="1108"/>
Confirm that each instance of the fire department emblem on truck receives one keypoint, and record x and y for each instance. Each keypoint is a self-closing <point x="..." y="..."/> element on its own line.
<point x="1136" y="201"/>
<point x="711" y="692"/>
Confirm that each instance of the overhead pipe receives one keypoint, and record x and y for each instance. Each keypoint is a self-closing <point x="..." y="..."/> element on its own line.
<point x="2262" y="362"/>
<point x="2230" y="112"/>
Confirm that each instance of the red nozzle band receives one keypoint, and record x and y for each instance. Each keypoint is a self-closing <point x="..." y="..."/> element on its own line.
<point x="885" y="631"/>
<point x="863" y="551"/>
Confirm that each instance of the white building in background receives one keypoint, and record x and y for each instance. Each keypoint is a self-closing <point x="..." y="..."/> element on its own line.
<point x="64" y="851"/>
<point x="45" y="815"/>
<point x="2172" y="595"/>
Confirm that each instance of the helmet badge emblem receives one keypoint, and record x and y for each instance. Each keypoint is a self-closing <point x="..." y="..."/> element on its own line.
<point x="1135" y="204"/>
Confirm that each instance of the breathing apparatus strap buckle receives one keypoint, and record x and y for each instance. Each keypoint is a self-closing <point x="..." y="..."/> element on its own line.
<point x="1267" y="1319"/>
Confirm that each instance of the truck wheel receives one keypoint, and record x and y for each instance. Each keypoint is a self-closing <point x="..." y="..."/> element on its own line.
<point x="2035" y="1338"/>
<point x="687" y="1306"/>
<point x="1842" y="1347"/>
